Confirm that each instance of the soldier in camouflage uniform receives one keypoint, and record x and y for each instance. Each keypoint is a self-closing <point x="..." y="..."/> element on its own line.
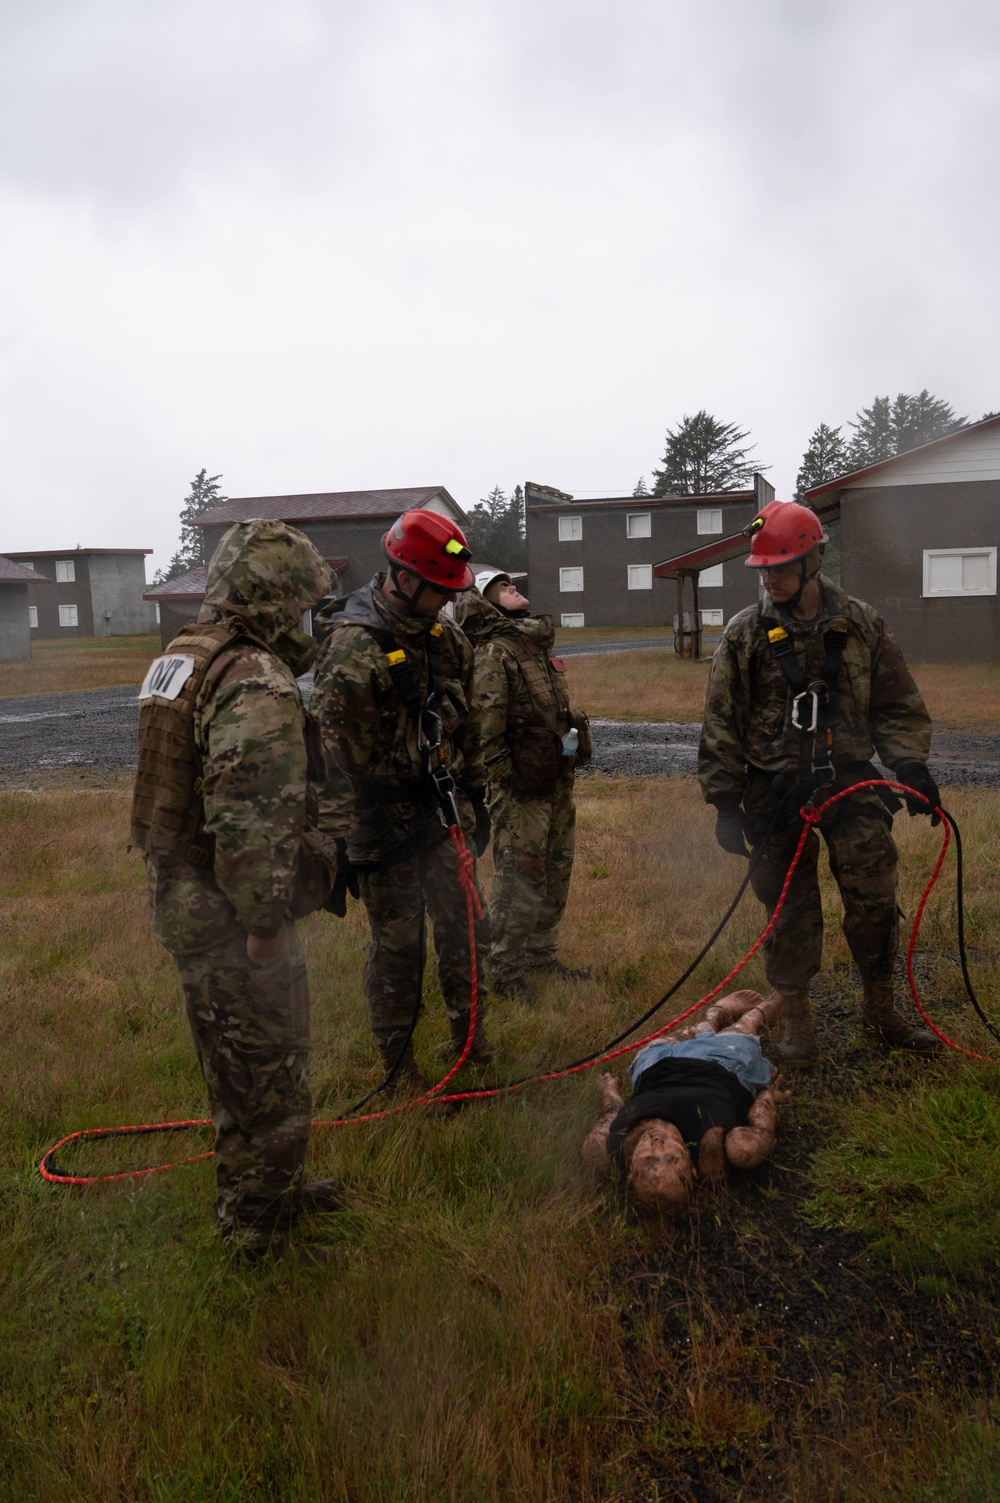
<point x="521" y="689"/>
<point x="807" y="634"/>
<point x="220" y="813"/>
<point x="393" y="677"/>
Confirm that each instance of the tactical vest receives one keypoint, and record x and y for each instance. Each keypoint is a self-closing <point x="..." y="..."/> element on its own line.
<point x="535" y="743"/>
<point x="168" y="812"/>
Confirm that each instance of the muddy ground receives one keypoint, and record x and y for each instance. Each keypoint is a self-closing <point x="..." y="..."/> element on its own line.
<point x="96" y="728"/>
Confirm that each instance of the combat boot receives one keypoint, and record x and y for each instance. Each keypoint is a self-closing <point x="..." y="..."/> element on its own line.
<point x="880" y="1021"/>
<point x="796" y="1044"/>
<point x="481" y="1051"/>
<point x="514" y="987"/>
<point x="321" y="1195"/>
<point x="407" y="1075"/>
<point x="564" y="972"/>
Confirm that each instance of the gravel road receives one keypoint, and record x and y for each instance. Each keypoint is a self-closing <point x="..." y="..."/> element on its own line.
<point x="97" y="728"/>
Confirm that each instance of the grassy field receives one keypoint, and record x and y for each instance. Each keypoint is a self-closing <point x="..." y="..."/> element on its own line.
<point x="498" y="1328"/>
<point x="84" y="663"/>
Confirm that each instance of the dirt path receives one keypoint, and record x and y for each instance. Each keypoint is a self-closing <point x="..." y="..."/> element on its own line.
<point x="97" y="728"/>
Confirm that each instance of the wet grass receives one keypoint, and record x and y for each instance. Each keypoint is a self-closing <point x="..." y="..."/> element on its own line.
<point x="84" y="663"/>
<point x="496" y="1327"/>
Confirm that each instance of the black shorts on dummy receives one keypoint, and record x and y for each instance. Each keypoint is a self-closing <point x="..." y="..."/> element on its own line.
<point x="693" y="1094"/>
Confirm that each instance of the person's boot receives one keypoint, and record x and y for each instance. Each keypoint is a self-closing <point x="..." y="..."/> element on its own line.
<point x="795" y="1045"/>
<point x="407" y="1076"/>
<point x="514" y="987"/>
<point x="321" y="1195"/>
<point x="481" y="1051"/>
<point x="880" y="1021"/>
<point x="564" y="972"/>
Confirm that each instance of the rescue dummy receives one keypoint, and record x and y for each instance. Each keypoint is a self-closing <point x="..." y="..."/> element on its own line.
<point x="704" y="1100"/>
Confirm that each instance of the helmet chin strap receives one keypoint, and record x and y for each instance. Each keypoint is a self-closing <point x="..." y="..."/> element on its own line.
<point x="408" y="602"/>
<point x="804" y="578"/>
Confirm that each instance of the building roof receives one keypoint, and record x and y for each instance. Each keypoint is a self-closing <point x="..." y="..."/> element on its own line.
<point x="192" y="585"/>
<point x="70" y="552"/>
<point x="854" y="477"/>
<point x="12" y="573"/>
<point x="326" y="506"/>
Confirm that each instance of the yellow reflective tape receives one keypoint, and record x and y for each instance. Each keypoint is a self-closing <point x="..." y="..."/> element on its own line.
<point x="776" y="634"/>
<point x="436" y="630"/>
<point x="395" y="658"/>
<point x="453" y="546"/>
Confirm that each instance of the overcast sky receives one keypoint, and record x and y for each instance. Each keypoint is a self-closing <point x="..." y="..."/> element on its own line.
<point x="327" y="244"/>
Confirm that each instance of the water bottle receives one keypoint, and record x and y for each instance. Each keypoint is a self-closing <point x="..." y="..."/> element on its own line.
<point x="570" y="741"/>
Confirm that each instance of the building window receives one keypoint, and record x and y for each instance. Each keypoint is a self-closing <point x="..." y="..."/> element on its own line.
<point x="709" y="519"/>
<point x="571" y="618"/>
<point x="711" y="618"/>
<point x="32" y="615"/>
<point x="570" y="530"/>
<point x="711" y="578"/>
<point x="960" y="571"/>
<point x="24" y="563"/>
<point x="640" y="576"/>
<point x="65" y="571"/>
<point x="156" y="608"/>
<point x="67" y="615"/>
<point x="638" y="524"/>
<point x="570" y="579"/>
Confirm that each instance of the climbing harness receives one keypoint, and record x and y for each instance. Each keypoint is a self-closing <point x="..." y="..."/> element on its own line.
<point x="816" y="710"/>
<point x="811" y="815"/>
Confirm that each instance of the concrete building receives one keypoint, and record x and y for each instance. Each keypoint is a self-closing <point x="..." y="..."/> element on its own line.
<point x="347" y="528"/>
<point x="93" y="592"/>
<point x="591" y="562"/>
<point x="918" y="537"/>
<point x="16" y="581"/>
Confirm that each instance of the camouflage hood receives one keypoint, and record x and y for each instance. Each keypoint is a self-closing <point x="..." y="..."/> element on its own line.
<point x="482" y="622"/>
<point x="265" y="574"/>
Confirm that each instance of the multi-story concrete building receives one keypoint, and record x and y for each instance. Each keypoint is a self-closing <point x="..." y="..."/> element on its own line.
<point x="591" y="562"/>
<point x="15" y="631"/>
<point x="93" y="592"/>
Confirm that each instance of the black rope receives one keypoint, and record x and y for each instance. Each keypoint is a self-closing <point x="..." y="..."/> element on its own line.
<point x="963" y="957"/>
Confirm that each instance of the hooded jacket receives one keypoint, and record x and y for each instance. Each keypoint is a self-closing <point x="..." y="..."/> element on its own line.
<point x="222" y="727"/>
<point x="376" y="776"/>
<point x="517" y="685"/>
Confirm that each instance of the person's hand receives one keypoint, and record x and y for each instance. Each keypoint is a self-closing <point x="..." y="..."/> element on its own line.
<point x="917" y="776"/>
<point x="261" y="950"/>
<point x="780" y="1091"/>
<point x="484" y="825"/>
<point x="346" y="881"/>
<point x="730" y="831"/>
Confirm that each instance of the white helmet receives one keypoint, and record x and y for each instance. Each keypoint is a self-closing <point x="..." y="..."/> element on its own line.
<point x="488" y="577"/>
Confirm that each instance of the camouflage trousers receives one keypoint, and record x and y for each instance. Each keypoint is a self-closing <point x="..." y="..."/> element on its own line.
<point x="392" y="956"/>
<point x="250" y="1025"/>
<point x="534" y="841"/>
<point x="863" y="861"/>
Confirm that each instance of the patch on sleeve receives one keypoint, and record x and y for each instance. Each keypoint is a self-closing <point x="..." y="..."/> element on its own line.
<point x="167" y="676"/>
<point x="559" y="664"/>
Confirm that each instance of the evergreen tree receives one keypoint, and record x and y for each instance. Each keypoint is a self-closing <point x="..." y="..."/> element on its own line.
<point x="640" y="487"/>
<point x="205" y="493"/>
<point x="495" y="530"/>
<point x="888" y="428"/>
<point x="825" y="459"/>
<point x="702" y="456"/>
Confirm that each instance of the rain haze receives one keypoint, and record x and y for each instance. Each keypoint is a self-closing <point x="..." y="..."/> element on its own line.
<point x="325" y="246"/>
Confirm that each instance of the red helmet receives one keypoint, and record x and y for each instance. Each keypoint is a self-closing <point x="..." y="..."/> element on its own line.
<point x="783" y="532"/>
<point x="432" y="547"/>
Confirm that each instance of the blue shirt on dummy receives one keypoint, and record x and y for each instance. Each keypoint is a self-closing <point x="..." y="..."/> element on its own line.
<point x="738" y="1052"/>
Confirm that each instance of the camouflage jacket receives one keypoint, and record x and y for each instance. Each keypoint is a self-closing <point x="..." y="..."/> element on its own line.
<point x="516" y="682"/>
<point x="747" y="721"/>
<point x="249" y="730"/>
<point x="376" y="784"/>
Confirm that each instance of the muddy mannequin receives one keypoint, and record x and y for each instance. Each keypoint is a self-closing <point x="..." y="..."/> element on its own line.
<point x="707" y="1087"/>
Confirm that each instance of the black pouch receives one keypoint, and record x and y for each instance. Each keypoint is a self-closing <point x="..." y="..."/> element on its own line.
<point x="537" y="755"/>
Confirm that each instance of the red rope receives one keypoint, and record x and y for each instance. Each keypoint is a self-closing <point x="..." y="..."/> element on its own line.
<point x="465" y="870"/>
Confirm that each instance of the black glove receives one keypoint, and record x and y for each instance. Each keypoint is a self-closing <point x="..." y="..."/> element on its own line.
<point x="484" y="825"/>
<point x="730" y="829"/>
<point x="346" y="881"/>
<point x="916" y="776"/>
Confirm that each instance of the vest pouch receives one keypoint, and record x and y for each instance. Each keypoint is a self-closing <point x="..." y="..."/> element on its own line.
<point x="585" y="746"/>
<point x="314" y="874"/>
<point x="537" y="755"/>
